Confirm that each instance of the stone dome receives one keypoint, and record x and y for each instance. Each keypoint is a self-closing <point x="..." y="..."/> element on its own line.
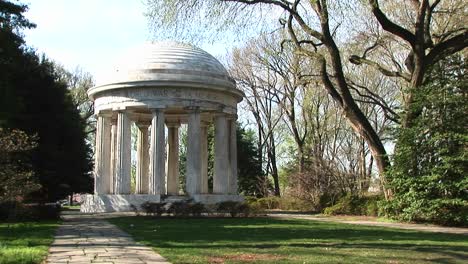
<point x="168" y="75"/>
<point x="168" y="64"/>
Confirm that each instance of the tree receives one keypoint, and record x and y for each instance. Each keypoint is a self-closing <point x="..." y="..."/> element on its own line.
<point x="252" y="180"/>
<point x="313" y="26"/>
<point x="433" y="31"/>
<point x="12" y="22"/>
<point x="258" y="82"/>
<point x="39" y="104"/>
<point x="78" y="82"/>
<point x="16" y="174"/>
<point x="429" y="174"/>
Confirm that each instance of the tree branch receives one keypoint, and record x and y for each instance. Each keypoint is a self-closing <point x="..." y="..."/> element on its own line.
<point x="389" y="26"/>
<point x="447" y="47"/>
<point x="354" y="59"/>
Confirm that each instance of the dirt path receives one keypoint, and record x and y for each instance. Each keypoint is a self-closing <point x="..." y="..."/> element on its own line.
<point x="371" y="221"/>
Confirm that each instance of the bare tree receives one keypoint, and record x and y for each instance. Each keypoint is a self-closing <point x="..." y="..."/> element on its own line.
<point x="257" y="84"/>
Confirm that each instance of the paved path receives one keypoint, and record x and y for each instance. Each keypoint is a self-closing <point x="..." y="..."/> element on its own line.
<point x="417" y="227"/>
<point x="87" y="239"/>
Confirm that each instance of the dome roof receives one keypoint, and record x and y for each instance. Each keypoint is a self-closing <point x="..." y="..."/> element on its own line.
<point x="168" y="64"/>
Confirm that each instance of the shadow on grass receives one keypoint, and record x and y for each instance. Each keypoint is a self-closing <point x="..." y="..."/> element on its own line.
<point x="267" y="233"/>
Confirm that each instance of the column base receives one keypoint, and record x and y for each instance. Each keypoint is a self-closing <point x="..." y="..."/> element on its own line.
<point x="104" y="203"/>
<point x="216" y="198"/>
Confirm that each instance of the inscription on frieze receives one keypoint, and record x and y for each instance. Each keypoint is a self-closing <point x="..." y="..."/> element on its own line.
<point x="148" y="94"/>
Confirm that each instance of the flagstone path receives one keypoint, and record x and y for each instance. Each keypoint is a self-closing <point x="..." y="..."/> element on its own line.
<point x="88" y="239"/>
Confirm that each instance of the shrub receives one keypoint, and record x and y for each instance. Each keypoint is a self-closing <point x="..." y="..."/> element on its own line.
<point x="134" y="208"/>
<point x="180" y="209"/>
<point x="354" y="205"/>
<point x="196" y="209"/>
<point x="235" y="208"/>
<point x="32" y="212"/>
<point x="45" y="211"/>
<point x="272" y="202"/>
<point x="282" y="203"/>
<point x="156" y="209"/>
<point x="9" y="210"/>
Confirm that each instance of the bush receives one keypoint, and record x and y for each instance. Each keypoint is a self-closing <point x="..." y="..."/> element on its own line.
<point x="354" y="205"/>
<point x="45" y="211"/>
<point x="134" y="208"/>
<point x="180" y="209"/>
<point x="196" y="209"/>
<point x="282" y="203"/>
<point x="32" y="212"/>
<point x="438" y="211"/>
<point x="234" y="208"/>
<point x="272" y="202"/>
<point x="9" y="210"/>
<point x="156" y="209"/>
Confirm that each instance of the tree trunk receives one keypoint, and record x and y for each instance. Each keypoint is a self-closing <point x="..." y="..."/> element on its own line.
<point x="274" y="168"/>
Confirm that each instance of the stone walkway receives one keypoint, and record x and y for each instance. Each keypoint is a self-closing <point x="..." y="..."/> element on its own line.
<point x="87" y="239"/>
<point x="416" y="227"/>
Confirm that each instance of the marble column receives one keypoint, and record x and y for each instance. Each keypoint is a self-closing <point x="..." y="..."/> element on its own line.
<point x="173" y="159"/>
<point x="221" y="162"/>
<point x="204" y="158"/>
<point x="232" y="157"/>
<point x="142" y="168"/>
<point x="157" y="179"/>
<point x="193" y="154"/>
<point x="113" y="155"/>
<point x="102" y="155"/>
<point x="123" y="155"/>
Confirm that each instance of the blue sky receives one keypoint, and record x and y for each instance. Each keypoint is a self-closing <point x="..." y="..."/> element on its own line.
<point x="91" y="34"/>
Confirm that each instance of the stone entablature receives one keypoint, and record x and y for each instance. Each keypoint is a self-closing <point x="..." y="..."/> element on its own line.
<point x="171" y="97"/>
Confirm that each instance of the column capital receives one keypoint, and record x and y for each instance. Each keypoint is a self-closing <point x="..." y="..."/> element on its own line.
<point x="104" y="114"/>
<point x="173" y="124"/>
<point x="143" y="124"/>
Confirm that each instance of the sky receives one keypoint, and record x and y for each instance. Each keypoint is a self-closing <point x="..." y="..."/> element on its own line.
<point x="95" y="35"/>
<point x="91" y="34"/>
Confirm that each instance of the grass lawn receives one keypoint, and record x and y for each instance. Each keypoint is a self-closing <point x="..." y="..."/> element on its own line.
<point x="266" y="240"/>
<point x="25" y="242"/>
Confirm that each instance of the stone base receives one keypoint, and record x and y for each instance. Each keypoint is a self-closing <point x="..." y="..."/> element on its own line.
<point x="102" y="203"/>
<point x="216" y="198"/>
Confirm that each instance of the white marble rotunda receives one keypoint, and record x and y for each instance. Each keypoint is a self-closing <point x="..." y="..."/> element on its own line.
<point x="158" y="88"/>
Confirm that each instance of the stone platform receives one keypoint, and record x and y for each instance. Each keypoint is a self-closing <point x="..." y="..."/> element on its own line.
<point x="104" y="203"/>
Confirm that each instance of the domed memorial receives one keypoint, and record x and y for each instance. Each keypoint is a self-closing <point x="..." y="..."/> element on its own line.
<point x="159" y="88"/>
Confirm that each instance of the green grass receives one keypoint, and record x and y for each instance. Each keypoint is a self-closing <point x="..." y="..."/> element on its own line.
<point x="266" y="240"/>
<point x="25" y="242"/>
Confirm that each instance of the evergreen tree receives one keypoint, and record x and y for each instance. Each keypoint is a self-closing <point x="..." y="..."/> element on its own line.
<point x="431" y="160"/>
<point x="251" y="177"/>
<point x="35" y="101"/>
